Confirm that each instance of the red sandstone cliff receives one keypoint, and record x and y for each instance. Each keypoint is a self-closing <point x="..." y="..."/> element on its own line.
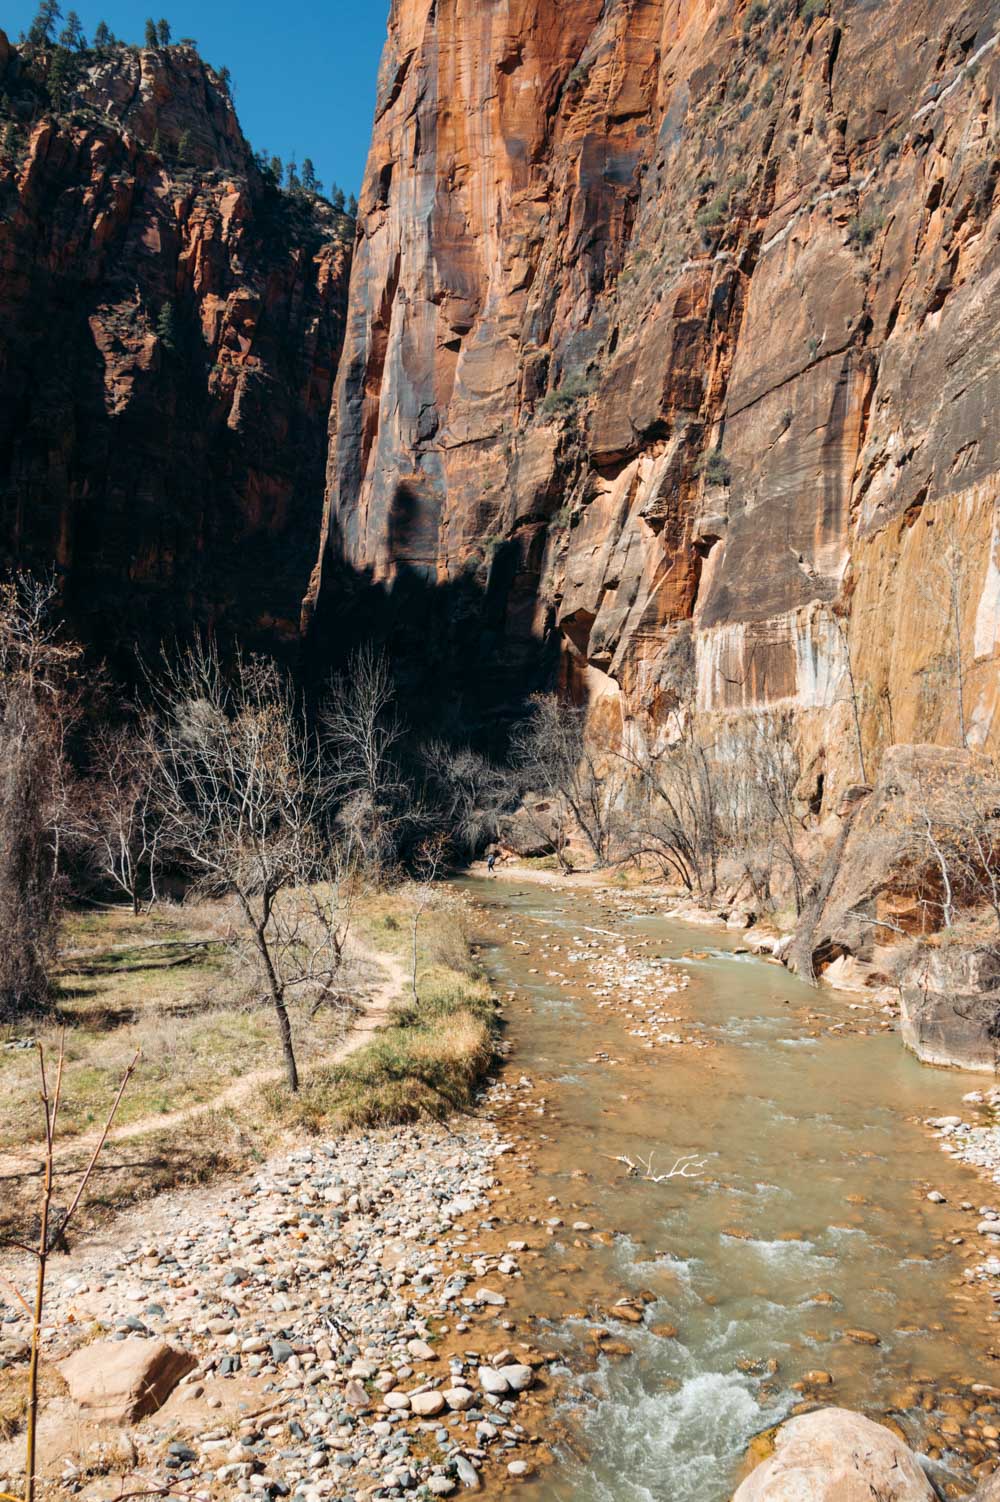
<point x="672" y="344"/>
<point x="170" y="464"/>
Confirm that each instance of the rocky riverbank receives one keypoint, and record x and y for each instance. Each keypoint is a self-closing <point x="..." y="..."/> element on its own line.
<point x="346" y="1334"/>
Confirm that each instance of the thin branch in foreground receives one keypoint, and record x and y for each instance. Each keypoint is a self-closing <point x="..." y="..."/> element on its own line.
<point x="48" y="1242"/>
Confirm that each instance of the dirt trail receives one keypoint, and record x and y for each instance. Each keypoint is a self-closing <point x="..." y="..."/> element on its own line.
<point x="374" y="1012"/>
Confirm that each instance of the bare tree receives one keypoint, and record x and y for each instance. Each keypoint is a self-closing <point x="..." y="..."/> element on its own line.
<point x="246" y="804"/>
<point x="575" y="774"/>
<point x="36" y="665"/>
<point x="692" y="803"/>
<point x="121" y="819"/>
<point x="956" y="834"/>
<point x="675" y="811"/>
<point x="430" y="859"/>
<point x="471" y="794"/>
<point x="362" y="732"/>
<point x="768" y="749"/>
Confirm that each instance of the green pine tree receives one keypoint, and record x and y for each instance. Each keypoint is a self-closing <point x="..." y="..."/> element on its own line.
<point x="163" y="33"/>
<point x="276" y="167"/>
<point x="60" y="79"/>
<point x="337" y="199"/>
<point x="352" y="207"/>
<point x="43" y="25"/>
<point x="310" y="181"/>
<point x="166" y="328"/>
<point x="102" y="36"/>
<point x="292" y="181"/>
<point x="152" y="38"/>
<point x="184" y="146"/>
<point x="226" y="80"/>
<point x="72" y="33"/>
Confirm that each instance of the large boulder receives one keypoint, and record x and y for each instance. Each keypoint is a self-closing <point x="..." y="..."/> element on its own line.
<point x="836" y="1456"/>
<point x="119" y="1381"/>
<point x="990" y="1489"/>
<point x="951" y="1006"/>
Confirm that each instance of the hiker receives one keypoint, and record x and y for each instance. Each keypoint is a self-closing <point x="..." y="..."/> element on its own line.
<point x="491" y="860"/>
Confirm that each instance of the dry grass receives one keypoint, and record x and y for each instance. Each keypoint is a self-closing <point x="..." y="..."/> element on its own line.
<point x="199" y="1036"/>
<point x="14" y="1395"/>
<point x="430" y="1062"/>
<point x="128" y="983"/>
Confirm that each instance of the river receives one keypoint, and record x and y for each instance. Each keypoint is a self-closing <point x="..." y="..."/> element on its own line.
<point x="808" y="1219"/>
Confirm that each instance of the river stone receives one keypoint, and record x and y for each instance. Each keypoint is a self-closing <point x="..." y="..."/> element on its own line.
<point x="836" y="1456"/>
<point x="517" y="1377"/>
<point x="492" y="1381"/>
<point x="459" y="1398"/>
<point x="427" y="1404"/>
<point x="467" y="1473"/>
<point x="119" y="1381"/>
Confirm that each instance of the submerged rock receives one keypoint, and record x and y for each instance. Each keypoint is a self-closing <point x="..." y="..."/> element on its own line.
<point x="836" y="1456"/>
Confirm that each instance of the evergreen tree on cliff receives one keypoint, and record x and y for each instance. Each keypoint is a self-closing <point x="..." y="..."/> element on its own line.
<point x="43" y="25"/>
<point x="72" y="33"/>
<point x="310" y="181"/>
<point x="102" y="36"/>
<point x="166" y="327"/>
<point x="163" y="33"/>
<point x="152" y="35"/>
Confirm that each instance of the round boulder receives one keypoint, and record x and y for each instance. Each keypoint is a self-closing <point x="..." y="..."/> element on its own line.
<point x="836" y="1456"/>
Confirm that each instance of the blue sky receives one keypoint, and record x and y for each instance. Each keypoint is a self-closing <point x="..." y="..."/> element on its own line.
<point x="303" y="72"/>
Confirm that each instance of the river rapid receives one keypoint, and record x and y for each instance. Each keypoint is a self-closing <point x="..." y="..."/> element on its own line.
<point x="804" y="1263"/>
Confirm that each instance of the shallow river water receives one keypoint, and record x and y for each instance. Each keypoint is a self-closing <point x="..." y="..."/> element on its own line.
<point x="810" y="1218"/>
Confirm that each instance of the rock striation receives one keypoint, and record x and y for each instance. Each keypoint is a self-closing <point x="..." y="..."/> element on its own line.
<point x="171" y="328"/>
<point x="671" y="354"/>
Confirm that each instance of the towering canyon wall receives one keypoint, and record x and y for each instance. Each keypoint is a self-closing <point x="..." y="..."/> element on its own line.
<point x="672" y="352"/>
<point x="169" y="330"/>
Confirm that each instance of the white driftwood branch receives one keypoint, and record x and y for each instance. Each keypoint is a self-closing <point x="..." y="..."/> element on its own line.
<point x="688" y="1166"/>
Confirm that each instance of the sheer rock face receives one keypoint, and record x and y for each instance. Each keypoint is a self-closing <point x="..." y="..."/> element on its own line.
<point x="170" y="465"/>
<point x="599" y="242"/>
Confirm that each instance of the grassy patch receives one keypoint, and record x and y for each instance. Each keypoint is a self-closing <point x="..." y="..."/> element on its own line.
<point x="430" y="1061"/>
<point x="160" y="983"/>
<point x="202" y="1034"/>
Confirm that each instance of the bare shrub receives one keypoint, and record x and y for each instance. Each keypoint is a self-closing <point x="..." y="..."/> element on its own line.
<point x="575" y="774"/>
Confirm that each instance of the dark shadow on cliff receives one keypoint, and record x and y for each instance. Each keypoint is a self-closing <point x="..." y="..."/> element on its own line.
<point x="466" y="653"/>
